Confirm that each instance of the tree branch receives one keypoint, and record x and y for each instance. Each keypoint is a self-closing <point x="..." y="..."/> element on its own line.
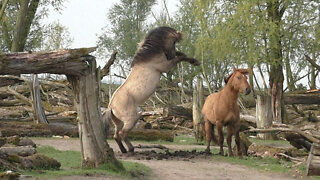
<point x="312" y="62"/>
<point x="106" y="69"/>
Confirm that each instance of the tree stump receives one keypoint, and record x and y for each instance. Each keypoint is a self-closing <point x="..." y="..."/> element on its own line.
<point x="313" y="162"/>
<point x="264" y="115"/>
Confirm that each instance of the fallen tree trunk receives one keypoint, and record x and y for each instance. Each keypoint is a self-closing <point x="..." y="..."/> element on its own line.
<point x="310" y="98"/>
<point x="18" y="150"/>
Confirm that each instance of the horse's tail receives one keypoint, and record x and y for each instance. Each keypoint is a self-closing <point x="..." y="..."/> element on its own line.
<point x="213" y="136"/>
<point x="106" y="120"/>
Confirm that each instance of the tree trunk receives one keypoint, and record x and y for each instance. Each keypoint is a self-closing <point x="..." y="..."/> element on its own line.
<point x="38" y="115"/>
<point x="275" y="13"/>
<point x="24" y="20"/>
<point x="264" y="115"/>
<point x="313" y="162"/>
<point x="94" y="147"/>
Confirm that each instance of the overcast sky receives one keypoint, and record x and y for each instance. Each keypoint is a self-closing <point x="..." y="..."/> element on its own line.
<point x="85" y="18"/>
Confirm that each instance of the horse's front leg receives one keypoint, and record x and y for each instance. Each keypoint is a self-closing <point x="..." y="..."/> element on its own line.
<point x="237" y="139"/>
<point x="182" y="57"/>
<point x="220" y="133"/>
<point x="229" y="139"/>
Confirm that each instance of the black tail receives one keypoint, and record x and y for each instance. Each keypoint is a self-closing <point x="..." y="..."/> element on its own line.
<point x="106" y="120"/>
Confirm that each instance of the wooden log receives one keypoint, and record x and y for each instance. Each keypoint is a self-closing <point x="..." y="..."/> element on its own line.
<point x="313" y="162"/>
<point x="311" y="98"/>
<point x="71" y="62"/>
<point x="18" y="150"/>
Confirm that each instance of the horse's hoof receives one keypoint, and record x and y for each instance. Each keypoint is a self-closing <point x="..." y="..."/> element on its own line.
<point x="123" y="151"/>
<point x="207" y="151"/>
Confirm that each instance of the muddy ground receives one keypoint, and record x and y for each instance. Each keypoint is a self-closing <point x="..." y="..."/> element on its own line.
<point x="177" y="165"/>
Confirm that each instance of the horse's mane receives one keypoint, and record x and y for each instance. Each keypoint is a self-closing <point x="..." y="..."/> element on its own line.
<point x="242" y="71"/>
<point x="154" y="43"/>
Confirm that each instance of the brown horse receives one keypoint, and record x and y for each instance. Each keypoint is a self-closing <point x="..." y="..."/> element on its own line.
<point x="157" y="54"/>
<point x="221" y="109"/>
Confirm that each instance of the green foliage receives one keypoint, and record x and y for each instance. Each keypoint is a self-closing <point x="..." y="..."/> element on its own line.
<point x="36" y="33"/>
<point x="128" y="20"/>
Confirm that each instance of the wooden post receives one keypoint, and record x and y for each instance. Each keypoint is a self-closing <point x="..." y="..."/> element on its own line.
<point x="264" y="115"/>
<point x="95" y="149"/>
<point x="313" y="162"/>
<point x="196" y="113"/>
<point x="198" y="124"/>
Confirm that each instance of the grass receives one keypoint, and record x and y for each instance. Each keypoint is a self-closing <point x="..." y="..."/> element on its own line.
<point x="71" y="163"/>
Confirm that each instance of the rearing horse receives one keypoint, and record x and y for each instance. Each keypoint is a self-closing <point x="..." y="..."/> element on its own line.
<point x="221" y="109"/>
<point x="156" y="54"/>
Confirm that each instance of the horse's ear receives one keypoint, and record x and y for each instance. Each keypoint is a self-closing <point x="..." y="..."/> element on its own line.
<point x="234" y="69"/>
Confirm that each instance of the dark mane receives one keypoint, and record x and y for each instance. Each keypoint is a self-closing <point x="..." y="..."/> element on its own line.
<point x="154" y="43"/>
<point x="226" y="79"/>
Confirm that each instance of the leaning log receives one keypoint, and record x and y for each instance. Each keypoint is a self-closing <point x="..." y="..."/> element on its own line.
<point x="313" y="162"/>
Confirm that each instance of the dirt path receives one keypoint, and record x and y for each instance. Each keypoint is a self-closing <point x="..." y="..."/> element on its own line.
<point x="197" y="168"/>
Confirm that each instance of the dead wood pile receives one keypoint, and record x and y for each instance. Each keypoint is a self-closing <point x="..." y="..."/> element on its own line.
<point x="177" y="118"/>
<point x="20" y="154"/>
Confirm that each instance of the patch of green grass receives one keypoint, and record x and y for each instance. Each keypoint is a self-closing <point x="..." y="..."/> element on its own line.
<point x="269" y="142"/>
<point x="71" y="165"/>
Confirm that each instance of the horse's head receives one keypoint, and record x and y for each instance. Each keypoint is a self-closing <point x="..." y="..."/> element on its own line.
<point x="159" y="40"/>
<point x="172" y="37"/>
<point x="238" y="80"/>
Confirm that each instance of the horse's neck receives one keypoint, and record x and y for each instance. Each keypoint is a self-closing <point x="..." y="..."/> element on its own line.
<point x="230" y="93"/>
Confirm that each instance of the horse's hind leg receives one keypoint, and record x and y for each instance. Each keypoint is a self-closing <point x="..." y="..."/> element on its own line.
<point x="208" y="129"/>
<point x="237" y="139"/>
<point x="213" y="136"/>
<point x="220" y="133"/>
<point x="125" y="131"/>
<point x="229" y="139"/>
<point x="118" y="127"/>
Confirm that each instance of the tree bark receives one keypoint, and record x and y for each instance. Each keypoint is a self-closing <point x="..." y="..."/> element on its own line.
<point x="94" y="147"/>
<point x="264" y="115"/>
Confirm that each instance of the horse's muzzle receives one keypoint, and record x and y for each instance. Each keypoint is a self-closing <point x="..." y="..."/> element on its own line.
<point x="248" y="90"/>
